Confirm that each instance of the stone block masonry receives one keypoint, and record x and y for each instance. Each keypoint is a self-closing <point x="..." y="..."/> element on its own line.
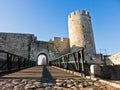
<point x="80" y="32"/>
<point x="15" y="43"/>
<point x="28" y="46"/>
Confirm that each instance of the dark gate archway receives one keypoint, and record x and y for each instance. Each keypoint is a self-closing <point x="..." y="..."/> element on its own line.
<point x="45" y="53"/>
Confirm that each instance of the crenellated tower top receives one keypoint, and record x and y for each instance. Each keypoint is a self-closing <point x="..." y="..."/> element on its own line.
<point x="78" y="13"/>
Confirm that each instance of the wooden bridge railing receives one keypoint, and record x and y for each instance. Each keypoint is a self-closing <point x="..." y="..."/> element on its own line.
<point x="9" y="61"/>
<point x="72" y="61"/>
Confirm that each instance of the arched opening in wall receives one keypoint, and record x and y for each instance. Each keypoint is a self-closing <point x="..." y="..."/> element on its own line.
<point x="42" y="59"/>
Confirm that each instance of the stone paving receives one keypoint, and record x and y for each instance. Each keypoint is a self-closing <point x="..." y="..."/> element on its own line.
<point x="24" y="84"/>
<point x="34" y="84"/>
<point x="59" y="84"/>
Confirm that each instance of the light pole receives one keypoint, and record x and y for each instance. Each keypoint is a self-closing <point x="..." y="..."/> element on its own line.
<point x="104" y="55"/>
<point x="103" y="50"/>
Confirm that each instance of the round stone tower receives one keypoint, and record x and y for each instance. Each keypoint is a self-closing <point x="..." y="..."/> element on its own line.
<point x="80" y="32"/>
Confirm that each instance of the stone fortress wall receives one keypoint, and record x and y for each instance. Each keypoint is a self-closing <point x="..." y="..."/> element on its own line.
<point x="62" y="46"/>
<point x="28" y="46"/>
<point x="15" y="43"/>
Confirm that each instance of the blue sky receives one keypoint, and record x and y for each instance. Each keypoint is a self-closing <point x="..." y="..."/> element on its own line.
<point x="48" y="18"/>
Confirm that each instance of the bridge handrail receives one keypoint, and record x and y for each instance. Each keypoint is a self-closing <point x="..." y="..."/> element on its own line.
<point x="11" y="53"/>
<point x="69" y="53"/>
<point x="14" y="61"/>
<point x="64" y="60"/>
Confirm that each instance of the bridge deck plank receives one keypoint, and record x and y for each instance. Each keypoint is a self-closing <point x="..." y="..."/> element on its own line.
<point x="40" y="72"/>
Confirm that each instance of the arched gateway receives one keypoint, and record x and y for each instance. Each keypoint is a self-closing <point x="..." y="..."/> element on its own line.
<point x="50" y="49"/>
<point x="46" y="54"/>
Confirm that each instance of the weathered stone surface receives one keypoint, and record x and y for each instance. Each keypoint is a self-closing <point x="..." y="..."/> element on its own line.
<point x="19" y="87"/>
<point x="24" y="81"/>
<point x="80" y="85"/>
<point x="84" y="85"/>
<point x="80" y="33"/>
<point x="48" y="88"/>
<point x="70" y="85"/>
<point x="59" y="84"/>
<point x="58" y="80"/>
<point x="30" y="82"/>
<point x="38" y="84"/>
<point x="3" y="83"/>
<point x="9" y="86"/>
<point x="90" y="82"/>
<point x="26" y="45"/>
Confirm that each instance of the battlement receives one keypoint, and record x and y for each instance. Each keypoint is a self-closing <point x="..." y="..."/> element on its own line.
<point x="84" y="12"/>
<point x="59" y="39"/>
<point x="65" y="39"/>
<point x="78" y="13"/>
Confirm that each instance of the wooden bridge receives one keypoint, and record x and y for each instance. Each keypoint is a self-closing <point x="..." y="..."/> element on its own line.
<point x="26" y="67"/>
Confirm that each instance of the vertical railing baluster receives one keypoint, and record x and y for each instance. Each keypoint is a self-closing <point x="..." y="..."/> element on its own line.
<point x="82" y="60"/>
<point x="19" y="58"/>
<point x="8" y="62"/>
<point x="77" y="56"/>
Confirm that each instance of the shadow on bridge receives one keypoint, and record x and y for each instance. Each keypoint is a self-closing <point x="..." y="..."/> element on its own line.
<point x="46" y="76"/>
